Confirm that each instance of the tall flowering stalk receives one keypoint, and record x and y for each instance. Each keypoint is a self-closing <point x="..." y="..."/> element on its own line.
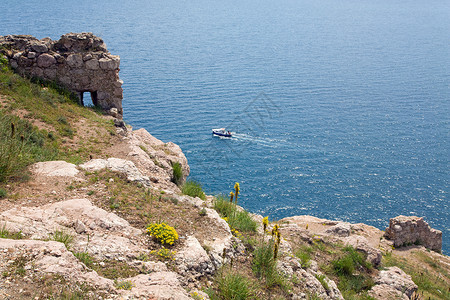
<point x="236" y="189"/>
<point x="231" y="197"/>
<point x="265" y="222"/>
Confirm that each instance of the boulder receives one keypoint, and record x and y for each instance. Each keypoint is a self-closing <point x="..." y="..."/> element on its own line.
<point x="55" y="168"/>
<point x="340" y="230"/>
<point x="393" y="283"/>
<point x="122" y="166"/>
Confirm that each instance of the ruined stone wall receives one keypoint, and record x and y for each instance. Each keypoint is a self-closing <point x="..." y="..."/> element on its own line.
<point x="413" y="230"/>
<point x="78" y="61"/>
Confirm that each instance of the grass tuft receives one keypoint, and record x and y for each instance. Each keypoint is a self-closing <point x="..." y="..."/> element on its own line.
<point x="177" y="173"/>
<point x="194" y="189"/>
<point x="232" y="286"/>
<point x="238" y="219"/>
<point x="62" y="237"/>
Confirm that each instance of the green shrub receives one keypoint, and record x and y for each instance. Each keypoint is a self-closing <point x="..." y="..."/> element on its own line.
<point x="322" y="281"/>
<point x="177" y="173"/>
<point x="264" y="265"/>
<point x="162" y="232"/>
<point x="304" y="254"/>
<point x="193" y="189"/>
<point x="2" y="193"/>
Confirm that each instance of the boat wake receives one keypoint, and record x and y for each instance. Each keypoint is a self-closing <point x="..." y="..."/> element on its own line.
<point x="268" y="142"/>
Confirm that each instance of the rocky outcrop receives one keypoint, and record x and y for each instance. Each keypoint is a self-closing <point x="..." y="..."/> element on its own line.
<point x="102" y="234"/>
<point x="118" y="165"/>
<point x="393" y="283"/>
<point x="404" y="230"/>
<point x="39" y="259"/>
<point x="78" y="61"/>
<point x="156" y="157"/>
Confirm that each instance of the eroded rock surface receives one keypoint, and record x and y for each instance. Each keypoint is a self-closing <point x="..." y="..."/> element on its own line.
<point x="122" y="166"/>
<point x="103" y="234"/>
<point x="55" y="168"/>
<point x="393" y="283"/>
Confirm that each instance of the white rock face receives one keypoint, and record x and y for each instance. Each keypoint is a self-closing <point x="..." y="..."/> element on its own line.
<point x="161" y="285"/>
<point x="109" y="235"/>
<point x="393" y="283"/>
<point x="156" y="158"/>
<point x="55" y="168"/>
<point x="340" y="230"/>
<point x="123" y="166"/>
<point x="51" y="257"/>
<point x="193" y="257"/>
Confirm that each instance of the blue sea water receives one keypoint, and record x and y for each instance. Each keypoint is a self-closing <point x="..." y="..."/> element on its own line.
<point x="340" y="108"/>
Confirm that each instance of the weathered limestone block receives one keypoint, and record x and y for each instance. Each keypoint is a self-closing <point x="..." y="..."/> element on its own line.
<point x="45" y="60"/>
<point x="75" y="60"/>
<point x="123" y="166"/>
<point x="405" y="230"/>
<point x="92" y="64"/>
<point x="38" y="47"/>
<point x="107" y="64"/>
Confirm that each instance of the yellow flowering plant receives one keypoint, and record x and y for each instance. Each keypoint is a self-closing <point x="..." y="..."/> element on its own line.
<point x="265" y="222"/>
<point x="236" y="189"/>
<point x="162" y="232"/>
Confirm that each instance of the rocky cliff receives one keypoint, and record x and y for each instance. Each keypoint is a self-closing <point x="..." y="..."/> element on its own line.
<point x="80" y="230"/>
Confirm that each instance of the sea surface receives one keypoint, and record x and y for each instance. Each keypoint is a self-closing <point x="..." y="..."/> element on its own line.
<point x="340" y="108"/>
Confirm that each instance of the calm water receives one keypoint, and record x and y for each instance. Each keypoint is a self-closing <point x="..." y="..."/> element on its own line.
<point x="340" y="108"/>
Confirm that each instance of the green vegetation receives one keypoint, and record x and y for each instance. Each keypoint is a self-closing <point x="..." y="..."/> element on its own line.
<point x="236" y="218"/>
<point x="322" y="281"/>
<point x="86" y="259"/>
<point x="193" y="188"/>
<point x="304" y="254"/>
<point x="177" y="173"/>
<point x="20" y="145"/>
<point x="432" y="282"/>
<point x="3" y="193"/>
<point x="123" y="284"/>
<point x="6" y="234"/>
<point x="264" y="264"/>
<point x="62" y="237"/>
<point x="57" y="109"/>
<point x="232" y="285"/>
<point x="352" y="271"/>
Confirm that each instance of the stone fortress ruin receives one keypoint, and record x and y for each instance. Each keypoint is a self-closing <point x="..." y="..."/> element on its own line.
<point x="79" y="62"/>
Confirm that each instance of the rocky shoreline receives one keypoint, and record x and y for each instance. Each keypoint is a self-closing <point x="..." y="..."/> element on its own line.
<point x="105" y="235"/>
<point x="80" y="231"/>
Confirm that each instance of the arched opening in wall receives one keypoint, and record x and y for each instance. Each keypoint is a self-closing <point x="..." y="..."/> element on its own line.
<point x="88" y="99"/>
